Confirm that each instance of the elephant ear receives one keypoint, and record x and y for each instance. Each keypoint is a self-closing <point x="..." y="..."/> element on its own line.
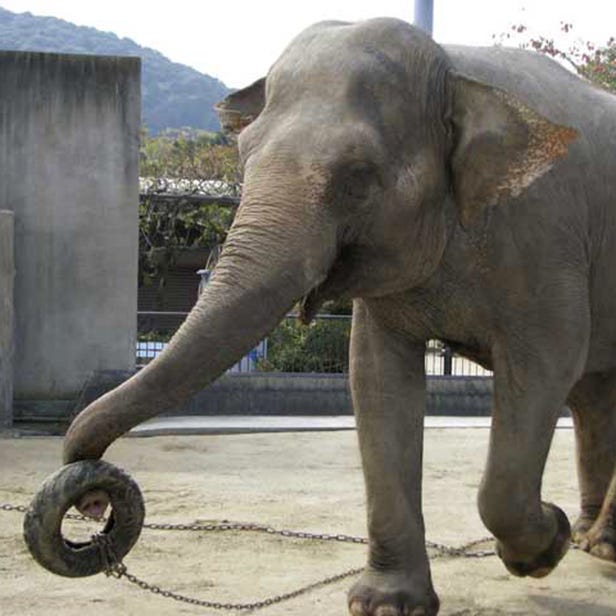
<point x="239" y="109"/>
<point x="501" y="146"/>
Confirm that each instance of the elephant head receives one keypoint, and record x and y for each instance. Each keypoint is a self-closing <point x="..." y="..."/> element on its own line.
<point x="363" y="150"/>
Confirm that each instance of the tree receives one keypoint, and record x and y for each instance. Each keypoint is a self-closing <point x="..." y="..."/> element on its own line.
<point x="596" y="63"/>
<point x="189" y="185"/>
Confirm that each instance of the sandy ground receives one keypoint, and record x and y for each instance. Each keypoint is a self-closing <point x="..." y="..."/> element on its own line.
<point x="307" y="481"/>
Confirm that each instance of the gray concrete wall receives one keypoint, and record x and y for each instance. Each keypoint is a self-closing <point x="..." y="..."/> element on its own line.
<point x="69" y="147"/>
<point x="325" y="394"/>
<point x="7" y="275"/>
<point x="273" y="393"/>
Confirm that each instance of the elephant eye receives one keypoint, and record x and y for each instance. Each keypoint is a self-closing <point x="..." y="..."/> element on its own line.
<point x="354" y="182"/>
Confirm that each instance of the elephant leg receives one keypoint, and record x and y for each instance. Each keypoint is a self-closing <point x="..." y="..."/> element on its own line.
<point x="531" y="385"/>
<point x="593" y="405"/>
<point x="388" y="389"/>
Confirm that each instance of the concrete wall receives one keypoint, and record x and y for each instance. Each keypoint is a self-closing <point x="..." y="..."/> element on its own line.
<point x="69" y="148"/>
<point x="326" y="394"/>
<point x="274" y="393"/>
<point x="7" y="275"/>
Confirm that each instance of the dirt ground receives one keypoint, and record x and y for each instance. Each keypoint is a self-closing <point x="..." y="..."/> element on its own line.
<point x="306" y="481"/>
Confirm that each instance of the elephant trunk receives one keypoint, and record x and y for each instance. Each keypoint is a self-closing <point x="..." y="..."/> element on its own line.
<point x="268" y="263"/>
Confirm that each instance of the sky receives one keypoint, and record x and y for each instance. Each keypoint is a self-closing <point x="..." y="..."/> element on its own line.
<point x="237" y="41"/>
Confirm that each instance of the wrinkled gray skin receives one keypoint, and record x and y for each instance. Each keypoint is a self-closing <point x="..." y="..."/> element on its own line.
<point x="465" y="194"/>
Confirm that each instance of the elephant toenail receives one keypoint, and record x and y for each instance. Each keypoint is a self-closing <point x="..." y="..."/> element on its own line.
<point x="386" y="610"/>
<point x="418" y="611"/>
<point x="584" y="544"/>
<point x="604" y="551"/>
<point x="356" y="608"/>
<point x="539" y="573"/>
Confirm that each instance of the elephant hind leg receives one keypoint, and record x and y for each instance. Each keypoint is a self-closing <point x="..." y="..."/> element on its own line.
<point x="600" y="539"/>
<point x="593" y="404"/>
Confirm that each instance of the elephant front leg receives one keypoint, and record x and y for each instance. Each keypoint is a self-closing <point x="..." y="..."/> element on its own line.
<point x="593" y="404"/>
<point x="388" y="388"/>
<point x="529" y="390"/>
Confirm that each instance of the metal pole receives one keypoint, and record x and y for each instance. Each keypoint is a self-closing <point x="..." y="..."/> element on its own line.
<point x="424" y="11"/>
<point x="447" y="361"/>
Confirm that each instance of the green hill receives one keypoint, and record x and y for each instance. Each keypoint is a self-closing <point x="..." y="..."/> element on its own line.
<point x="174" y="95"/>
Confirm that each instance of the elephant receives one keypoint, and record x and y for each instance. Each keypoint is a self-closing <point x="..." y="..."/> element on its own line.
<point x="457" y="193"/>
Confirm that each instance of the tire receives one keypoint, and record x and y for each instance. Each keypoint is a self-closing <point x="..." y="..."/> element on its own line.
<point x="43" y="521"/>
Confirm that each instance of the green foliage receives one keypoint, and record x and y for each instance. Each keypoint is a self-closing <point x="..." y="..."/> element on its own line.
<point x="173" y="95"/>
<point x="320" y="347"/>
<point x="177" y="173"/>
<point x="176" y="226"/>
<point x="154" y="335"/>
<point x="595" y="62"/>
<point x="196" y="156"/>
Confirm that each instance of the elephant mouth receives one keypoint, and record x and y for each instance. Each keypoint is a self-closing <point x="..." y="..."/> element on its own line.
<point x="335" y="285"/>
<point x="310" y="304"/>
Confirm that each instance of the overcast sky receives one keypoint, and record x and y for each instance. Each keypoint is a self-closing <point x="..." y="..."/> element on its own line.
<point x="237" y="40"/>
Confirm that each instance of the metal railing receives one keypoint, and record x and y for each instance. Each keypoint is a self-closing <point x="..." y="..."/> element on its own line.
<point x="442" y="361"/>
<point x="321" y="347"/>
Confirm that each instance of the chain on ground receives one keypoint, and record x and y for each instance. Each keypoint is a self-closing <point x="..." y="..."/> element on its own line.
<point x="118" y="570"/>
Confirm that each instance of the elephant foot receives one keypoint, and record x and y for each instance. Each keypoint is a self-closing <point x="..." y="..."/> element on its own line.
<point x="597" y="535"/>
<point x="584" y="523"/>
<point x="543" y="563"/>
<point x="391" y="594"/>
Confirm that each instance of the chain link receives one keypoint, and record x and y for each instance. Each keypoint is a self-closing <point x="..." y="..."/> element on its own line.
<point x="215" y="605"/>
<point x="257" y="528"/>
<point x="24" y="509"/>
<point x="118" y="570"/>
<point x="18" y="508"/>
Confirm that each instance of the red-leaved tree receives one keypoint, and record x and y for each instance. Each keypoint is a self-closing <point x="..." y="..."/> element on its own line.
<point x="593" y="61"/>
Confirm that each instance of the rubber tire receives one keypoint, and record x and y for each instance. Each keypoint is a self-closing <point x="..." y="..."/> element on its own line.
<point x="43" y="521"/>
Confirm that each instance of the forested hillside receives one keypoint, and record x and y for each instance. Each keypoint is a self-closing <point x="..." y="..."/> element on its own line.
<point x="174" y="95"/>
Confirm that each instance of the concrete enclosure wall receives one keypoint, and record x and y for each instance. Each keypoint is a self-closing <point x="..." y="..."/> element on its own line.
<point x="7" y="275"/>
<point x="275" y="393"/>
<point x="325" y="394"/>
<point x="69" y="153"/>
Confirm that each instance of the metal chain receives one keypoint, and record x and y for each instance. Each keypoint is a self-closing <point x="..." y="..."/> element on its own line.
<point x="441" y="549"/>
<point x="69" y="516"/>
<point x="108" y="556"/>
<point x="117" y="569"/>
<point x="463" y="550"/>
<point x="18" y="508"/>
<point x="257" y="528"/>
<point x="120" y="571"/>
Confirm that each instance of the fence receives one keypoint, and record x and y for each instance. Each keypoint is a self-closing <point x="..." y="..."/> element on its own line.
<point x="321" y="347"/>
<point x="189" y="192"/>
